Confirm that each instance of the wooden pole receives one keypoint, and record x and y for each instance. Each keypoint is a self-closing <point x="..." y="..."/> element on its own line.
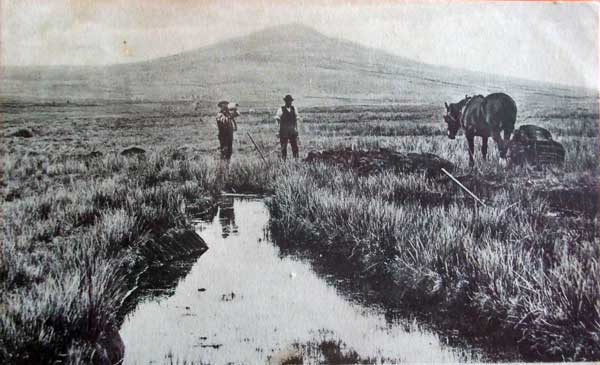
<point x="462" y="187"/>
<point x="256" y="146"/>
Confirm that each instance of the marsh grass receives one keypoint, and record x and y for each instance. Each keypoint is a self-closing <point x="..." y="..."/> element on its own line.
<point x="77" y="227"/>
<point x="516" y="271"/>
<point x="74" y="232"/>
<point x="328" y="351"/>
<point x="519" y="271"/>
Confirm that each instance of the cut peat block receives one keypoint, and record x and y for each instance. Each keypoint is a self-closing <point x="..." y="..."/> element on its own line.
<point x="368" y="162"/>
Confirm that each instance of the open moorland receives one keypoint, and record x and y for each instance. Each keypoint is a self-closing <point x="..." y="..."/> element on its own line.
<point x="81" y="222"/>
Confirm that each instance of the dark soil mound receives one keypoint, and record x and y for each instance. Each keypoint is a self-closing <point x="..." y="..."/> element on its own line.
<point x="133" y="151"/>
<point x="534" y="145"/>
<point x="23" y="133"/>
<point x="366" y="162"/>
<point x="573" y="200"/>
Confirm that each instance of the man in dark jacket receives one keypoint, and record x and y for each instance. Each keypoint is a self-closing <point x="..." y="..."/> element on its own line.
<point x="288" y="117"/>
<point x="226" y="125"/>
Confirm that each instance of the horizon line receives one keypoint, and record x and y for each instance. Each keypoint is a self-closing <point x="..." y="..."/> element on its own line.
<point x="299" y="24"/>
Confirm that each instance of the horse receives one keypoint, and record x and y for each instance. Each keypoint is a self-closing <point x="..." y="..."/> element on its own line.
<point x="483" y="117"/>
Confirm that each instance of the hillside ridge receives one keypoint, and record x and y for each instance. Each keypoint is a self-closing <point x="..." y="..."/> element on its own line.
<point x="292" y="58"/>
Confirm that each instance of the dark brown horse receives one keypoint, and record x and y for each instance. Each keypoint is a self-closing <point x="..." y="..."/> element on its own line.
<point x="483" y="117"/>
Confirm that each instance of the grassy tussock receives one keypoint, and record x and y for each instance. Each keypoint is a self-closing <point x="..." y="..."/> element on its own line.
<point x="514" y="270"/>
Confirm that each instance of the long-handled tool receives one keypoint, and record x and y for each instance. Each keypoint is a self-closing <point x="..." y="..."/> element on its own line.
<point x="256" y="146"/>
<point x="463" y="187"/>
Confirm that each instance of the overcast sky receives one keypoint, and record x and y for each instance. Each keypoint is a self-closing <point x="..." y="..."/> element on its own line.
<point x="556" y="42"/>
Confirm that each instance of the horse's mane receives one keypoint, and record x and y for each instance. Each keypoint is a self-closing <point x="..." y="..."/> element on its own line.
<point x="456" y="108"/>
<point x="464" y="101"/>
<point x="469" y="99"/>
<point x="459" y="107"/>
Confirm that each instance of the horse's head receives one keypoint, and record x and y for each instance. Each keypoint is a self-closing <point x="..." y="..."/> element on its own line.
<point x="452" y="117"/>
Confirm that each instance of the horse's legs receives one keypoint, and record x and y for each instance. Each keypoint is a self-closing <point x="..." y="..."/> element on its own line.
<point x="471" y="142"/>
<point x="484" y="146"/>
<point x="498" y="139"/>
<point x="505" y="142"/>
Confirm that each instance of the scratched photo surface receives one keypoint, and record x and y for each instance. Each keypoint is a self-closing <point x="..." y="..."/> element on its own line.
<point x="299" y="182"/>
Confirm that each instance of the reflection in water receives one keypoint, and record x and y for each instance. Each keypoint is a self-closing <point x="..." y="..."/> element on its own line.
<point x="244" y="302"/>
<point x="226" y="213"/>
<point x="227" y="217"/>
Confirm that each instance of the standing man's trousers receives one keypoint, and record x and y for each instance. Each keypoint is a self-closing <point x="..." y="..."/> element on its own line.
<point x="293" y="140"/>
<point x="226" y="142"/>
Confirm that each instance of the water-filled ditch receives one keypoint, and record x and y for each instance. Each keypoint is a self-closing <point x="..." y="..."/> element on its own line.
<point x="246" y="301"/>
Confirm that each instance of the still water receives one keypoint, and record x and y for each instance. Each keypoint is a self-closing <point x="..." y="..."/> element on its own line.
<point x="243" y="301"/>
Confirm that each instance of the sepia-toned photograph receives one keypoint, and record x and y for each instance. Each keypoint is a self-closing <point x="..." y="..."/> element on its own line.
<point x="299" y="182"/>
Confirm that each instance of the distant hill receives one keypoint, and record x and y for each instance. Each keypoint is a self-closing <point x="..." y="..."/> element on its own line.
<point x="263" y="66"/>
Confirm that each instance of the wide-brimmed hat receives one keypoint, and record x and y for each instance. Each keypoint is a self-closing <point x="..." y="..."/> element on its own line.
<point x="222" y="103"/>
<point x="288" y="97"/>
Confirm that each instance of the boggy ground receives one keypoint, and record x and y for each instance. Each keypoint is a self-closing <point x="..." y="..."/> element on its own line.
<point x="523" y="269"/>
<point x="514" y="271"/>
<point x="77" y="226"/>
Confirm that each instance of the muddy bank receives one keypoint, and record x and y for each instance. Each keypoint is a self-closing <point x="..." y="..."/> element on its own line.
<point x="162" y="260"/>
<point x="166" y="259"/>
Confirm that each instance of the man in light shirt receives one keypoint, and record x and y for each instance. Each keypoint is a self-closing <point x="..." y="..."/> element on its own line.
<point x="288" y="118"/>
